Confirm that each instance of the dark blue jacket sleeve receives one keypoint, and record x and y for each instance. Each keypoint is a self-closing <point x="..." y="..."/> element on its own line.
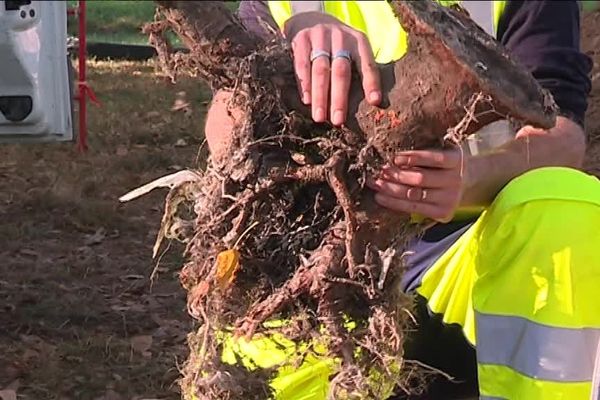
<point x="544" y="36"/>
<point x="256" y="17"/>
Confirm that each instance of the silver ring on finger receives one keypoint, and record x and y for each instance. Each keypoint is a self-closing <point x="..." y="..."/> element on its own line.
<point x="343" y="54"/>
<point x="424" y="195"/>
<point x="410" y="194"/>
<point x="318" y="53"/>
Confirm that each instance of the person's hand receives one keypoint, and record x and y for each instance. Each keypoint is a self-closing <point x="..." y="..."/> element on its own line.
<point x="425" y="182"/>
<point x="324" y="49"/>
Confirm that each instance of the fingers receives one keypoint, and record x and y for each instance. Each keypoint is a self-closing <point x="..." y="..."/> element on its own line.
<point x="368" y="69"/>
<point x="421" y="177"/>
<point x="425" y="182"/>
<point x="412" y="193"/>
<point x="320" y="40"/>
<point x="428" y="159"/>
<point x="301" y="48"/>
<point x="413" y="207"/>
<point x="341" y="75"/>
<point x="323" y="78"/>
<point x="437" y="204"/>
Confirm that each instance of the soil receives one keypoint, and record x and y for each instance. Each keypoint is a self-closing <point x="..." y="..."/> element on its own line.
<point x="80" y="317"/>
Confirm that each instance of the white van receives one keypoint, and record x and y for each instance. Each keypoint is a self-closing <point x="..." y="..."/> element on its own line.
<point x="35" y="79"/>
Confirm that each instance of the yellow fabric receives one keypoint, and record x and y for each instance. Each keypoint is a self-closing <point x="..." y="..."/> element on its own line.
<point x="449" y="283"/>
<point x="499" y="7"/>
<point x="558" y="285"/>
<point x="501" y="382"/>
<point x="375" y="19"/>
<point x="302" y="370"/>
<point x="533" y="254"/>
<point x="548" y="196"/>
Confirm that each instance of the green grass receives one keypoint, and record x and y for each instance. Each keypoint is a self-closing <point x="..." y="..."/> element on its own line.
<point x="118" y="21"/>
<point x="590" y="5"/>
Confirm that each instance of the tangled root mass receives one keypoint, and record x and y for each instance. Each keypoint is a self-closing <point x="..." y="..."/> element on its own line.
<point x="284" y="229"/>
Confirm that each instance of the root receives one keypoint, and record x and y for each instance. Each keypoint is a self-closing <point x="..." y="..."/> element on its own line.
<point x="157" y="38"/>
<point x="458" y="133"/>
<point x="297" y="285"/>
<point x="338" y="185"/>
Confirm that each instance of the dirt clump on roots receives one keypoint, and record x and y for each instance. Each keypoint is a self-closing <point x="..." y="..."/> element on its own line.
<point x="283" y="229"/>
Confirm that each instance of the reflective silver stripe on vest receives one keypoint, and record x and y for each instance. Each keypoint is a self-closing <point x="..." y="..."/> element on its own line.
<point x="306" y="6"/>
<point x="491" y="398"/>
<point x="535" y="350"/>
<point x="596" y="380"/>
<point x="482" y="12"/>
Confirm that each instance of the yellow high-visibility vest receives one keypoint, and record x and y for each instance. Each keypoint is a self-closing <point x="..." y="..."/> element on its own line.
<point x="377" y="21"/>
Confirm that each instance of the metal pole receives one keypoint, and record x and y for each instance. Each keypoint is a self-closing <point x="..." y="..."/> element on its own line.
<point x="82" y="86"/>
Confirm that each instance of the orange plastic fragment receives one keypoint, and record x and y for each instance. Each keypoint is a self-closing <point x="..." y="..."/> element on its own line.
<point x="228" y="263"/>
